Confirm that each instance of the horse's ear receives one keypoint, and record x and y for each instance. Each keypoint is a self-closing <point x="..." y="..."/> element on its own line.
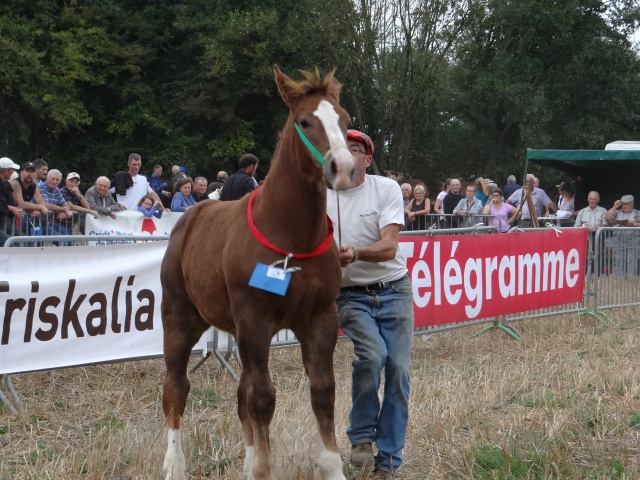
<point x="286" y="86"/>
<point x="333" y="86"/>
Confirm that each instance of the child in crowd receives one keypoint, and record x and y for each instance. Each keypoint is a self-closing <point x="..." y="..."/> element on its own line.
<point x="147" y="207"/>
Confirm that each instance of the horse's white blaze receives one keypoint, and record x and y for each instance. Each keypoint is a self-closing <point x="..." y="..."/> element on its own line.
<point x="174" y="463"/>
<point x="343" y="160"/>
<point x="249" y="459"/>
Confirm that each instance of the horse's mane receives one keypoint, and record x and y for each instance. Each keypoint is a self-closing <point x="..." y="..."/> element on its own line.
<point x="315" y="84"/>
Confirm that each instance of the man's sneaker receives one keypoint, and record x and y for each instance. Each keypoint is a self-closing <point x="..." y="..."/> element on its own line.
<point x="362" y="455"/>
<point x="380" y="475"/>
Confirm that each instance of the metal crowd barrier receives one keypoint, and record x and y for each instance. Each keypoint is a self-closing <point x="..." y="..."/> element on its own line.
<point x="616" y="278"/>
<point x="451" y="222"/>
<point x="40" y="229"/>
<point x="612" y="280"/>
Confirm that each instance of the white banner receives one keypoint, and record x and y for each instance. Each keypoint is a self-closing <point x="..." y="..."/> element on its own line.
<point x="70" y="306"/>
<point x="130" y="223"/>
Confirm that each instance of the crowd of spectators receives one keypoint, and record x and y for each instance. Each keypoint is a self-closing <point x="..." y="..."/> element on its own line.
<point x="30" y="194"/>
<point x="32" y="201"/>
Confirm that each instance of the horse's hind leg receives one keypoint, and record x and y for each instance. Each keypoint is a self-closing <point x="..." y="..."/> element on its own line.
<point x="317" y="355"/>
<point x="182" y="329"/>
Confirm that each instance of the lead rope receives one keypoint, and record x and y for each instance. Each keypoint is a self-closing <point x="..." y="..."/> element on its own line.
<point x="339" y="223"/>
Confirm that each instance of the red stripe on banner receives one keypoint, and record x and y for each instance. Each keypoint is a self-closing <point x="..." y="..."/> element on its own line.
<point x="467" y="277"/>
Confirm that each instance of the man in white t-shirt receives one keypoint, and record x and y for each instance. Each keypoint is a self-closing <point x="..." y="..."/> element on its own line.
<point x="375" y="306"/>
<point x="140" y="187"/>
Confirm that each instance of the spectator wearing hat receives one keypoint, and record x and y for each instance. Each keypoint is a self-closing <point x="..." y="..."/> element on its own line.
<point x="625" y="243"/>
<point x="27" y="194"/>
<point x="75" y="200"/>
<point x="375" y="308"/>
<point x="9" y="209"/>
<point x="241" y="182"/>
<point x="511" y="186"/>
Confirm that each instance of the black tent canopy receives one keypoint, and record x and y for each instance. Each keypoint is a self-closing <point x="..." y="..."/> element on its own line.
<point x="612" y="173"/>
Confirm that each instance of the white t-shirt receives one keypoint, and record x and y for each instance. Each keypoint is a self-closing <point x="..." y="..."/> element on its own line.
<point x="134" y="193"/>
<point x="364" y="211"/>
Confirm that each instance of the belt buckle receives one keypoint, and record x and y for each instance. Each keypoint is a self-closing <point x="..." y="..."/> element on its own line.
<point x="376" y="287"/>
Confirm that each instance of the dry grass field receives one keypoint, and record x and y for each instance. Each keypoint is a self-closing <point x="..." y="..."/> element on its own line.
<point x="563" y="403"/>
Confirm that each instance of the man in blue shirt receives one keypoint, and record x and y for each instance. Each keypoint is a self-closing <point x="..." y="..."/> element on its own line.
<point x="55" y="202"/>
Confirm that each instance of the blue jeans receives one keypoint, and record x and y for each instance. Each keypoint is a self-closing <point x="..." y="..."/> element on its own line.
<point x="380" y="325"/>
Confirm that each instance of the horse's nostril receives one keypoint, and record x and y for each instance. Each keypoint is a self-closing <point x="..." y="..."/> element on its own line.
<point x="334" y="169"/>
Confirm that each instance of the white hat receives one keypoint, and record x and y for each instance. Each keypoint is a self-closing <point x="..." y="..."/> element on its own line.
<point x="73" y="175"/>
<point x="8" y="163"/>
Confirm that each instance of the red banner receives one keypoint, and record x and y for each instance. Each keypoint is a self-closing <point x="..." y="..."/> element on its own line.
<point x="466" y="277"/>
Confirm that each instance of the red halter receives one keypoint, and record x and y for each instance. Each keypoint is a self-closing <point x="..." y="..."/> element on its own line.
<point x="316" y="252"/>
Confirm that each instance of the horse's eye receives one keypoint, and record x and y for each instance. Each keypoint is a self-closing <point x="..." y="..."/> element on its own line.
<point x="304" y="123"/>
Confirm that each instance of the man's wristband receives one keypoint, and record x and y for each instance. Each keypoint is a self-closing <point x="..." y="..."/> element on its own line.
<point x="356" y="254"/>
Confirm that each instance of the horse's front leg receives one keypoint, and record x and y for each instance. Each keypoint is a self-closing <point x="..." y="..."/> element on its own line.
<point x="256" y="404"/>
<point x="317" y="347"/>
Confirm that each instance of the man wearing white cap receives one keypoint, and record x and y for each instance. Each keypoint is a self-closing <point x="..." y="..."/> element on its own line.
<point x="9" y="209"/>
<point x="75" y="201"/>
<point x="626" y="243"/>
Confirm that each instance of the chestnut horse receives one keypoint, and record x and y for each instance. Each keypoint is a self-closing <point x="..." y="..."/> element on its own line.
<point x="213" y="252"/>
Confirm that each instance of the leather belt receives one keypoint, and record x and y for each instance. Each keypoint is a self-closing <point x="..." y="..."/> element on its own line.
<point x="372" y="287"/>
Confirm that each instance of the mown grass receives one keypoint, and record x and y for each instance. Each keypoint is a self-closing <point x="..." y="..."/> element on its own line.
<point x="562" y="404"/>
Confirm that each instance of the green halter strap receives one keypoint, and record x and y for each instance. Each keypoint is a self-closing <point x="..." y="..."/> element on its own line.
<point x="311" y="148"/>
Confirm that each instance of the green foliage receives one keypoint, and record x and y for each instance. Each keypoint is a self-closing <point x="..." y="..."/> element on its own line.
<point x="204" y="397"/>
<point x="497" y="463"/>
<point x="634" y="420"/>
<point x="108" y="422"/>
<point x="444" y="87"/>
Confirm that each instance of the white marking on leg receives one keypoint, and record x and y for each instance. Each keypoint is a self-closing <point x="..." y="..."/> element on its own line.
<point x="329" y="463"/>
<point x="249" y="459"/>
<point x="174" y="463"/>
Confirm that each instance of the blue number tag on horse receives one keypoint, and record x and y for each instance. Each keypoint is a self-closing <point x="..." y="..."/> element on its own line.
<point x="272" y="279"/>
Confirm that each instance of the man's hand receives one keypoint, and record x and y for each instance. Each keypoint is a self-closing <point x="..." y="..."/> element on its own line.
<point x="113" y="215"/>
<point x="17" y="211"/>
<point x="158" y="204"/>
<point x="94" y="213"/>
<point x="347" y="253"/>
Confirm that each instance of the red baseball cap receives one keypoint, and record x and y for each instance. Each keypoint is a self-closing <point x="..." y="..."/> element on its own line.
<point x="362" y="138"/>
